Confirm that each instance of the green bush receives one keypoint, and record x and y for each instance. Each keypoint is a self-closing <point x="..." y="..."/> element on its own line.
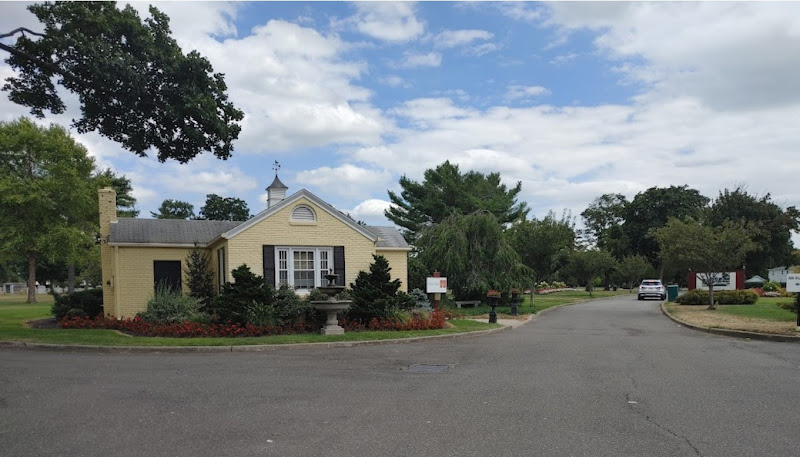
<point x="316" y="295"/>
<point x="771" y="286"/>
<point x="721" y="297"/>
<point x="250" y="300"/>
<point x="289" y="308"/>
<point x="84" y="303"/>
<point x="788" y="306"/>
<point x="242" y="299"/>
<point x="170" y="307"/>
<point x="375" y="294"/>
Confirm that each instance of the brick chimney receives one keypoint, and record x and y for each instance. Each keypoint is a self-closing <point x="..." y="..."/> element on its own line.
<point x="107" y="199"/>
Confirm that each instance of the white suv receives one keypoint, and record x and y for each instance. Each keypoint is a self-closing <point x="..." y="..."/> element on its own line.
<point x="652" y="288"/>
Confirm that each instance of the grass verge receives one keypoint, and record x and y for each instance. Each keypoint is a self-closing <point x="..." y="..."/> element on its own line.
<point x="15" y="313"/>
<point x="764" y="316"/>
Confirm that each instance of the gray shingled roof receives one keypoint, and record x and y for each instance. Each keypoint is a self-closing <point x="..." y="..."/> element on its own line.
<point x="178" y="231"/>
<point x="168" y="231"/>
<point x="388" y="237"/>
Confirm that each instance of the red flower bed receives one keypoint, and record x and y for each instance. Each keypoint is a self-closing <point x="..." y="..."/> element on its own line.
<point x="137" y="326"/>
<point x="435" y="321"/>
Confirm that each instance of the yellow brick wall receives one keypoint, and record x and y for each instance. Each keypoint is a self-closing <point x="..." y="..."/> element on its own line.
<point x="279" y="231"/>
<point x="135" y="276"/>
<point x="398" y="261"/>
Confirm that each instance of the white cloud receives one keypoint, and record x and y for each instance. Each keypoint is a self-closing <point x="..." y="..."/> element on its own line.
<point x="372" y="208"/>
<point x="346" y="180"/>
<point x="525" y="92"/>
<point x="388" y="21"/>
<point x="520" y="11"/>
<point x="729" y="55"/>
<point x="564" y="58"/>
<point x="453" y="38"/>
<point x="430" y="109"/>
<point x="395" y="81"/>
<point x="481" y="49"/>
<point x="413" y="60"/>
<point x="296" y="89"/>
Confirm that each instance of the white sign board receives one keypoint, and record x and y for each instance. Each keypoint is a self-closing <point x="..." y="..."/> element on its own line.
<point x="436" y="285"/>
<point x="721" y="281"/>
<point x="793" y="282"/>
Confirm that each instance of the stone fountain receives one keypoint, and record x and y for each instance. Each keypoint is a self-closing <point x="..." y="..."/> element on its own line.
<point x="331" y="306"/>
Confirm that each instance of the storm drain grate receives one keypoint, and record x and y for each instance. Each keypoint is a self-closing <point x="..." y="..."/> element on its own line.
<point x="422" y="368"/>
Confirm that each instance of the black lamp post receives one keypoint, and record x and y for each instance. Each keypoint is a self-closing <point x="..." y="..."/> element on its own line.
<point x="492" y="314"/>
<point x="514" y="302"/>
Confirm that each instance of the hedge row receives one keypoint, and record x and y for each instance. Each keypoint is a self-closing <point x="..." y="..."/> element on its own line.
<point x="721" y="297"/>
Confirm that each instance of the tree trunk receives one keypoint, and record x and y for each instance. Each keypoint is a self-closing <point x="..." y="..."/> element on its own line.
<point x="70" y="278"/>
<point x="607" y="279"/>
<point x="31" y="277"/>
<point x="711" y="295"/>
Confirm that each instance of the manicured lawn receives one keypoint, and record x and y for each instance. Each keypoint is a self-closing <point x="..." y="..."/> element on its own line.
<point x="541" y="302"/>
<point x="14" y="313"/>
<point x="764" y="308"/>
<point x="764" y="316"/>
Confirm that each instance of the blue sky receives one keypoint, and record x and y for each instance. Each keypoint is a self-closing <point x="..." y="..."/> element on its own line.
<point x="573" y="99"/>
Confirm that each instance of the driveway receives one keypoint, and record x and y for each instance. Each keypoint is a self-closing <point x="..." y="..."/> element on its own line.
<point x="611" y="377"/>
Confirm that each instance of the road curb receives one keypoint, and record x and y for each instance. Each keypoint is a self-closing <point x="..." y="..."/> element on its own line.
<point x="733" y="333"/>
<point x="21" y="345"/>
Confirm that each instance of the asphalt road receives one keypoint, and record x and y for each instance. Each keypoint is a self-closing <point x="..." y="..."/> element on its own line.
<point x="612" y="377"/>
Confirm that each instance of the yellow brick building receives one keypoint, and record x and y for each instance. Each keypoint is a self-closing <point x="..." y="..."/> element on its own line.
<point x="295" y="241"/>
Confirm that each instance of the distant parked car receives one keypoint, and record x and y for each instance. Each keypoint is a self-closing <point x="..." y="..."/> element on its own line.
<point x="652" y="288"/>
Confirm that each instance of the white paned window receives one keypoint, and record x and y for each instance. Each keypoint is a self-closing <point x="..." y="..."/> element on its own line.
<point x="302" y="268"/>
<point x="324" y="266"/>
<point x="283" y="267"/>
<point x="303" y="213"/>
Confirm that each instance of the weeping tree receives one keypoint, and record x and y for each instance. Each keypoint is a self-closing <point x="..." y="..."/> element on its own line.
<point x="473" y="253"/>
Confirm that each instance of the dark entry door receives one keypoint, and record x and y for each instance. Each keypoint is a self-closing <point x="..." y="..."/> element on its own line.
<point x="168" y="273"/>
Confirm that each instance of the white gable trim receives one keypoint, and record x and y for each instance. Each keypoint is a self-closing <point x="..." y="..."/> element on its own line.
<point x="290" y="200"/>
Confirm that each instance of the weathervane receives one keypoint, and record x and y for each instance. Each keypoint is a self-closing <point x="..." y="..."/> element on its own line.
<point x="276" y="166"/>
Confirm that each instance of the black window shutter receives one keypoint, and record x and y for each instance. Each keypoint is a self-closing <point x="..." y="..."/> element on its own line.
<point x="338" y="264"/>
<point x="168" y="274"/>
<point x="269" y="264"/>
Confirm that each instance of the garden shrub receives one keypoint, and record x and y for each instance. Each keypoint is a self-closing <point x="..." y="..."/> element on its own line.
<point x="771" y="286"/>
<point x="375" y="294"/>
<point x="84" y="303"/>
<point x="316" y="295"/>
<point x="721" y="297"/>
<point x="289" y="308"/>
<point x="169" y="307"/>
<point x="242" y="299"/>
<point x="421" y="299"/>
<point x="788" y="306"/>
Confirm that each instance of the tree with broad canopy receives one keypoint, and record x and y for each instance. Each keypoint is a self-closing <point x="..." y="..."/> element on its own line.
<point x="134" y="83"/>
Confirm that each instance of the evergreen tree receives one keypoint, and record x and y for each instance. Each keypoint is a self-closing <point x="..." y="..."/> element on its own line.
<point x="446" y="191"/>
<point x="200" y="277"/>
<point x="374" y="292"/>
